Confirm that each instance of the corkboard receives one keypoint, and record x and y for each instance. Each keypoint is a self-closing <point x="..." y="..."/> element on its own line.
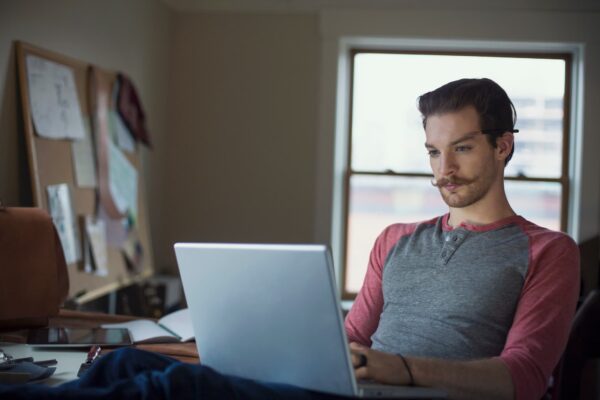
<point x="51" y="162"/>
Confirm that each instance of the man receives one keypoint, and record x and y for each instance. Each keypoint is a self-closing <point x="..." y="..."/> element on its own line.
<point x="479" y="301"/>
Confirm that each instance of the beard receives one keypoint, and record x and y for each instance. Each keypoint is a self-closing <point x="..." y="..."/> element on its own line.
<point x="469" y="190"/>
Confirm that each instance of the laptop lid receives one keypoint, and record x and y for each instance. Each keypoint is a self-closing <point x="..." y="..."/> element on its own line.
<point x="267" y="312"/>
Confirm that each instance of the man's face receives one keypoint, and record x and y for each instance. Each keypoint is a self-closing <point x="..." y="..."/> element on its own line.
<point x="462" y="160"/>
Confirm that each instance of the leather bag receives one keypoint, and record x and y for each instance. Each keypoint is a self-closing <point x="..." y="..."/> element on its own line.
<point x="34" y="281"/>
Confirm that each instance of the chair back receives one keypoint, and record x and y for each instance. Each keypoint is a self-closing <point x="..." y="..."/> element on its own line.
<point x="583" y="345"/>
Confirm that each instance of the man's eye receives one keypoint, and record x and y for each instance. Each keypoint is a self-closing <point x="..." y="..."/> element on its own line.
<point x="463" y="148"/>
<point x="433" y="153"/>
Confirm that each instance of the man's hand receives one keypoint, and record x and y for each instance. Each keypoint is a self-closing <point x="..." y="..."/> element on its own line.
<point x="477" y="379"/>
<point x="382" y="367"/>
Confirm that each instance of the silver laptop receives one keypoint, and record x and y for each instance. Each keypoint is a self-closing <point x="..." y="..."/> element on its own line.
<point x="271" y="313"/>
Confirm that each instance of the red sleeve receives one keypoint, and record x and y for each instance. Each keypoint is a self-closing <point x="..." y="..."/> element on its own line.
<point x="544" y="314"/>
<point x="363" y="318"/>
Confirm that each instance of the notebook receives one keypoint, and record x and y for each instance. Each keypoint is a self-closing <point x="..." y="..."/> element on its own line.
<point x="271" y="312"/>
<point x="171" y="328"/>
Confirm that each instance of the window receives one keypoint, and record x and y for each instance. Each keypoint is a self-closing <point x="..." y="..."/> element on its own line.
<point x="388" y="174"/>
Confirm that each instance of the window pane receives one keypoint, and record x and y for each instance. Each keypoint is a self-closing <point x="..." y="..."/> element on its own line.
<point x="386" y="126"/>
<point x="387" y="134"/>
<point x="538" y="146"/>
<point x="538" y="202"/>
<point x="376" y="202"/>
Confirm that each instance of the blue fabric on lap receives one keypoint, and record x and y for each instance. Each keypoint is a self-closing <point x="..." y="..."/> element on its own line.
<point x="133" y="374"/>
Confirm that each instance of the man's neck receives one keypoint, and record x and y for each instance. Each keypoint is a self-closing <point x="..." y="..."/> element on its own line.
<point x="481" y="213"/>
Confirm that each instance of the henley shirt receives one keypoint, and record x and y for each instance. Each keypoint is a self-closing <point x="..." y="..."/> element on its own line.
<point x="506" y="289"/>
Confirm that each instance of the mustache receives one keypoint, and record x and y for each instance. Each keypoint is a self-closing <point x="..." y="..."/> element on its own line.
<point x="448" y="181"/>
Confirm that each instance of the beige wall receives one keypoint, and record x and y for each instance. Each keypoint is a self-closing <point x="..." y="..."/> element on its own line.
<point x="243" y="128"/>
<point x="131" y="36"/>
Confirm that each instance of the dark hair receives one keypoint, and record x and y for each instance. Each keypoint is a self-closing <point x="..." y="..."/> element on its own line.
<point x="497" y="113"/>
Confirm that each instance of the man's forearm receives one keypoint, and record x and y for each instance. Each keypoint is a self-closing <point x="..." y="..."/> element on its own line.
<point x="480" y="379"/>
<point x="464" y="380"/>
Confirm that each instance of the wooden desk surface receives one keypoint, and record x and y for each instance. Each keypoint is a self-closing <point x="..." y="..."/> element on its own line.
<point x="185" y="352"/>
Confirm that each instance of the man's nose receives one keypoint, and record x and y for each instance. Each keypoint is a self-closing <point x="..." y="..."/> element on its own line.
<point x="447" y="165"/>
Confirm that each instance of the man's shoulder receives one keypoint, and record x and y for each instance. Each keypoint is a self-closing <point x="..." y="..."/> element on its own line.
<point x="541" y="237"/>
<point x="541" y="233"/>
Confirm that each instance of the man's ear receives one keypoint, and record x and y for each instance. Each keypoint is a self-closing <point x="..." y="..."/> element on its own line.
<point x="504" y="145"/>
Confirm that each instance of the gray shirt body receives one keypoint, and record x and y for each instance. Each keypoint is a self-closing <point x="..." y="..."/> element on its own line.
<point x="452" y="294"/>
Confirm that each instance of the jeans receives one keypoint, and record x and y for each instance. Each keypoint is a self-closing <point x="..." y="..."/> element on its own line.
<point x="131" y="374"/>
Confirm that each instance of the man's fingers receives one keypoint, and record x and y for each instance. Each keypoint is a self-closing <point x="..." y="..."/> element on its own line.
<point x="359" y="356"/>
<point x="361" y="373"/>
<point x="358" y="360"/>
<point x="357" y="346"/>
<point x="362" y="360"/>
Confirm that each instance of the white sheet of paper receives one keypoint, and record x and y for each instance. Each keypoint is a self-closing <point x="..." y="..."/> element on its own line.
<point x="53" y="99"/>
<point x="122" y="181"/>
<point x="179" y="322"/>
<point x="61" y="210"/>
<point x="95" y="229"/>
<point x="84" y="159"/>
<point x="142" y="330"/>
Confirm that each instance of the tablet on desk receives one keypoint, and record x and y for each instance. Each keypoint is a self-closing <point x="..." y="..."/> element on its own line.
<point x="79" y="337"/>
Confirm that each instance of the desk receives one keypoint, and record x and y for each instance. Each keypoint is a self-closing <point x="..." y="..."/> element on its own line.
<point x="69" y="360"/>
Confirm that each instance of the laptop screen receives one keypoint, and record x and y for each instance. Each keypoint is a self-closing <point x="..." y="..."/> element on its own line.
<point x="267" y="312"/>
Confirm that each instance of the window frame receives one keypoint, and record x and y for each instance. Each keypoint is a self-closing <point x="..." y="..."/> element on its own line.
<point x="564" y="180"/>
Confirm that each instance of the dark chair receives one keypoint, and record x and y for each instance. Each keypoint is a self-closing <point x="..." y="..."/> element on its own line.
<point x="583" y="345"/>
